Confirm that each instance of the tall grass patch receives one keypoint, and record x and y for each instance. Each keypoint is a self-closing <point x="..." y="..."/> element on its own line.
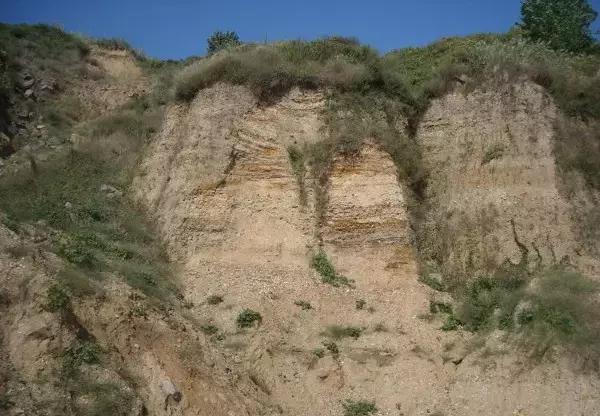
<point x="81" y="195"/>
<point x="555" y="306"/>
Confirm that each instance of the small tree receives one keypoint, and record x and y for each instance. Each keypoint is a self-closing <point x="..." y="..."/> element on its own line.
<point x="564" y="24"/>
<point x="222" y="40"/>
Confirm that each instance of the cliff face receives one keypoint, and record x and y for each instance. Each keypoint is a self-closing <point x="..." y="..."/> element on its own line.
<point x="229" y="185"/>
<point x="220" y="185"/>
<point x="491" y="162"/>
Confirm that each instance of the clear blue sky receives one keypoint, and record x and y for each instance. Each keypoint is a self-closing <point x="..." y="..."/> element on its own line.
<point x="179" y="28"/>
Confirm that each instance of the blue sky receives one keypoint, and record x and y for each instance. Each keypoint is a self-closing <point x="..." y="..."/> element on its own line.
<point x="179" y="28"/>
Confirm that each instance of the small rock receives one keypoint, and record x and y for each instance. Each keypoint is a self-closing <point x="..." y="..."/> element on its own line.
<point x="28" y="93"/>
<point x="68" y="205"/>
<point x="111" y="191"/>
<point x="170" y="390"/>
<point x="27" y="81"/>
<point x="48" y="85"/>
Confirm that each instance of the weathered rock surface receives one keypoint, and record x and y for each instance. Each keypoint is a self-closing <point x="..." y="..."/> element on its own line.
<point x="490" y="158"/>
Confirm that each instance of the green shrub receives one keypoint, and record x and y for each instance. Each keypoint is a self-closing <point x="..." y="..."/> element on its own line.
<point x="84" y="352"/>
<point x="319" y="352"/>
<point x="214" y="299"/>
<point x="339" y="332"/>
<point x="104" y="399"/>
<point x="222" y="40"/>
<point x="323" y="266"/>
<point x="451" y="323"/>
<point x="271" y="70"/>
<point x="563" y="24"/>
<point x="247" y="318"/>
<point x="359" y="408"/>
<point x="494" y="152"/>
<point x="332" y="347"/>
<point x="440" y="307"/>
<point x="553" y="306"/>
<point x="303" y="304"/>
<point x="209" y="329"/>
<point x="430" y="280"/>
<point x="57" y="299"/>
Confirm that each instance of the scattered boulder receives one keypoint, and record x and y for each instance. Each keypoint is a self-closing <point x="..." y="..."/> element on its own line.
<point x="48" y="85"/>
<point x="29" y="93"/>
<point x="111" y="191"/>
<point x="27" y="81"/>
<point x="171" y="392"/>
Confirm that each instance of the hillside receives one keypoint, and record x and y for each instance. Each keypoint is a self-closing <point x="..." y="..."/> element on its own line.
<point x="298" y="228"/>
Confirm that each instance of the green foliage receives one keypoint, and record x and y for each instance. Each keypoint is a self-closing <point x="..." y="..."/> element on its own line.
<point x="323" y="266"/>
<point x="296" y="157"/>
<point x="359" y="408"/>
<point x="319" y="352"/>
<point x="84" y="352"/>
<point x="303" y="304"/>
<point x="494" y="152"/>
<point x="577" y="148"/>
<point x="271" y="70"/>
<point x="214" y="299"/>
<point x="209" y="329"/>
<point x="554" y="306"/>
<point x="101" y="399"/>
<point x="332" y="347"/>
<point x="451" y="323"/>
<point x="95" y="233"/>
<point x="440" y="307"/>
<point x="222" y="40"/>
<point x="339" y="332"/>
<point x="563" y="24"/>
<point x="247" y="318"/>
<point x="432" y="281"/>
<point x="118" y="44"/>
<point x="57" y="299"/>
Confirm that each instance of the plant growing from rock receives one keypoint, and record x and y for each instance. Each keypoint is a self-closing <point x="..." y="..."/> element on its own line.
<point x="247" y="318"/>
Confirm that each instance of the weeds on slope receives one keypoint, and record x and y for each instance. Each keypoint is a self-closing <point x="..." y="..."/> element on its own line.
<point x="81" y="196"/>
<point x="554" y="306"/>
<point x="323" y="266"/>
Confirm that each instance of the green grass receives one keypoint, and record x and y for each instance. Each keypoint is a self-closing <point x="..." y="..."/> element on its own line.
<point x="554" y="306"/>
<point x="272" y="70"/>
<point x="339" y="332"/>
<point x="359" y="408"/>
<point x="297" y="160"/>
<point x="57" y="299"/>
<point x="82" y="352"/>
<point x="332" y="347"/>
<point x="440" y="307"/>
<point x="323" y="266"/>
<point x="303" y="304"/>
<point x="209" y="329"/>
<point x="93" y="233"/>
<point x="98" y="398"/>
<point x="247" y="318"/>
<point x="493" y="153"/>
<point x="214" y="299"/>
